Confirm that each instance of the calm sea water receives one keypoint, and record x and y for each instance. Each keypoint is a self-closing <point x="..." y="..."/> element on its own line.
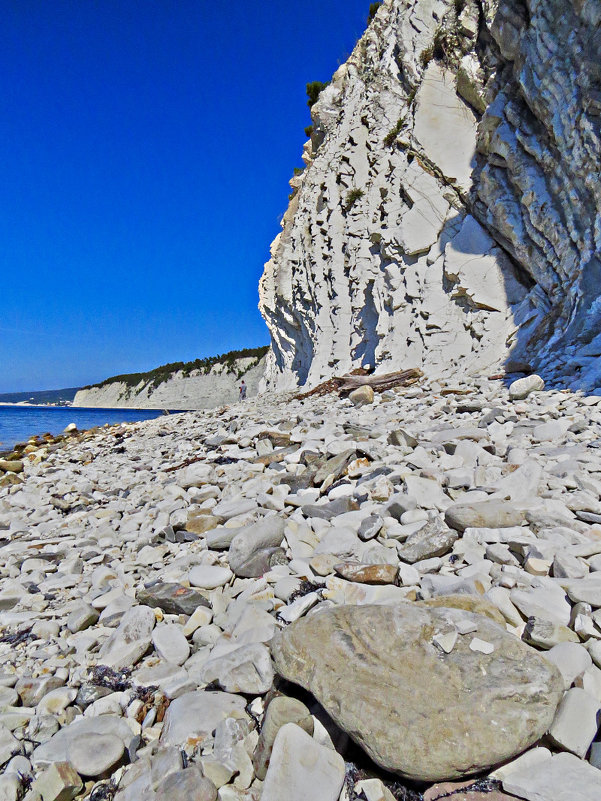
<point x="18" y="423"/>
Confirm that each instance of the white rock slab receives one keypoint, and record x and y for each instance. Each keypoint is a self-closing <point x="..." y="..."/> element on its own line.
<point x="300" y="766"/>
<point x="170" y="643"/>
<point x="131" y="639"/>
<point x="194" y="716"/>
<point x="576" y="721"/>
<point x="564" y="777"/>
<point x="445" y="126"/>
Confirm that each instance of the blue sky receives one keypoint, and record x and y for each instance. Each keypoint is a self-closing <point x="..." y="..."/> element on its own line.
<point x="146" y="147"/>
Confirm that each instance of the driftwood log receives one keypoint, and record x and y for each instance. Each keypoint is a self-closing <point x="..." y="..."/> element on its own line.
<point x="379" y="383"/>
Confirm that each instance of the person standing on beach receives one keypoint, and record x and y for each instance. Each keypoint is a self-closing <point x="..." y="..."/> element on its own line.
<point x="242" y="391"/>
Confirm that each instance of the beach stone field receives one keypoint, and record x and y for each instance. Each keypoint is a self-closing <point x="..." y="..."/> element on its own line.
<point x="393" y="595"/>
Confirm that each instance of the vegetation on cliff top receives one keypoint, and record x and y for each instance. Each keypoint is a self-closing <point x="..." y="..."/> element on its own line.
<point x="153" y="378"/>
<point x="373" y="10"/>
<point x="314" y="88"/>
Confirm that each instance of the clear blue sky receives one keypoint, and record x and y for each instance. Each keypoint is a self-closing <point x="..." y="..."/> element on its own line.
<point x="146" y="147"/>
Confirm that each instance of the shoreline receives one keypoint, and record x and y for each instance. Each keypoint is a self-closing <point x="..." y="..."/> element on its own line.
<point x="93" y="408"/>
<point x="44" y="440"/>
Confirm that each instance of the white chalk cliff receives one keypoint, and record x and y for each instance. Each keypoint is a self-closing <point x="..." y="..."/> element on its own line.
<point x="449" y="214"/>
<point x="181" y="391"/>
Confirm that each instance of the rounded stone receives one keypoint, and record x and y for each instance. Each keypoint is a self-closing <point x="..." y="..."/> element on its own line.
<point x="520" y="389"/>
<point x="362" y="396"/>
<point x="95" y="754"/>
<point x="417" y="711"/>
<point x="209" y="577"/>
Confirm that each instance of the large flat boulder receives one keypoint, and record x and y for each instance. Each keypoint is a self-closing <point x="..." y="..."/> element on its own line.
<point x="384" y="675"/>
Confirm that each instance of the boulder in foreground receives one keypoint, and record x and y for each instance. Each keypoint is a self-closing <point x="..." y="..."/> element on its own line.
<point x="418" y="711"/>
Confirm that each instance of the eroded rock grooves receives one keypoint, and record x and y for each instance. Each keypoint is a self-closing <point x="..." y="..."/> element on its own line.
<point x="448" y="214"/>
<point x="426" y="565"/>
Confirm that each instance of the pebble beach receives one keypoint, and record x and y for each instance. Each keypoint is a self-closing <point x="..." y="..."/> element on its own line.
<point x="383" y="596"/>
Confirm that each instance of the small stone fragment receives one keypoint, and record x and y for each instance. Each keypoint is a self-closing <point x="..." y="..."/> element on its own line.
<point x="481" y="646"/>
<point x="59" y="782"/>
<point x="362" y="395"/>
<point x="186" y="785"/>
<point x="174" y="599"/>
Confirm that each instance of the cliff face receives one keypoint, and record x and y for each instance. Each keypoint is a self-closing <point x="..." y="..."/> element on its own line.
<point x="198" y="390"/>
<point x="449" y="215"/>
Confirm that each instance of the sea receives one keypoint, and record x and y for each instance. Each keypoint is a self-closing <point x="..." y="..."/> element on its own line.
<point x="18" y="423"/>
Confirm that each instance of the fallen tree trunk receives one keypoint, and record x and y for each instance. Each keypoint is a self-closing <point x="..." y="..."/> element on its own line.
<point x="379" y="383"/>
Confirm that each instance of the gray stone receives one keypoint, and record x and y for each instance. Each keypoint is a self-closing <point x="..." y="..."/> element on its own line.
<point x="484" y="514"/>
<point x="280" y="711"/>
<point x="82" y="618"/>
<point x="208" y="577"/>
<point x="59" y="782"/>
<point x="9" y="745"/>
<point x="172" y="598"/>
<point x="399" y="504"/>
<point x="362" y="396"/>
<point x="267" y="533"/>
<point x="546" y="633"/>
<point x="370" y="527"/>
<point x="192" y="717"/>
<point x="576" y="722"/>
<point x="545" y="603"/>
<point x="170" y="643"/>
<point x="246" y="669"/>
<point x="434" y="539"/>
<point x="300" y="765"/>
<point x="11" y="787"/>
<point x="333" y="468"/>
<point x="586" y="590"/>
<point x="261" y="562"/>
<point x="95" y="754"/>
<point x="567" y="566"/>
<point x="221" y="537"/>
<point x="564" y="777"/>
<point x="32" y="690"/>
<point x="402" y="437"/>
<point x="571" y="659"/>
<point x="233" y="508"/>
<point x="58" y="747"/>
<point x="416" y="727"/>
<point x="328" y="511"/>
<point x="131" y="639"/>
<point x="521" y="388"/>
<point x="186" y="785"/>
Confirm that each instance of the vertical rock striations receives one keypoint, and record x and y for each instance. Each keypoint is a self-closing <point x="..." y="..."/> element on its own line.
<point x="449" y="211"/>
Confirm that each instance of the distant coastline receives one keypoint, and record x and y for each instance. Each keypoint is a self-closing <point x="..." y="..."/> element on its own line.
<point x="40" y="397"/>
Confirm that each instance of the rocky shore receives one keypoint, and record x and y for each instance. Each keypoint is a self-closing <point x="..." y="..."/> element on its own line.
<point x="377" y="597"/>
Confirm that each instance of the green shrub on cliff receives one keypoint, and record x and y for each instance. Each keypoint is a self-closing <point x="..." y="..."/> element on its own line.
<point x="156" y="377"/>
<point x="313" y="91"/>
<point x="373" y="10"/>
<point x="353" y="196"/>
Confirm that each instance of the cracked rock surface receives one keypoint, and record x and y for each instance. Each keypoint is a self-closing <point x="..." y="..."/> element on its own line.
<point x="448" y="213"/>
